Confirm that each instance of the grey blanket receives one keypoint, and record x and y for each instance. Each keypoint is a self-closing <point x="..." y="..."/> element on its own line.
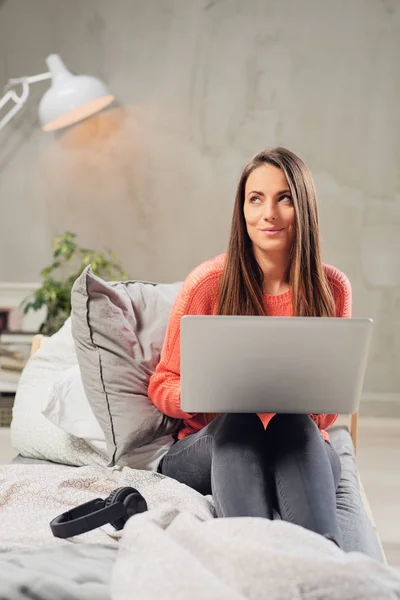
<point x="69" y="572"/>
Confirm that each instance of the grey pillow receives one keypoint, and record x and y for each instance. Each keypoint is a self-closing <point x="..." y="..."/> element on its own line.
<point x="119" y="329"/>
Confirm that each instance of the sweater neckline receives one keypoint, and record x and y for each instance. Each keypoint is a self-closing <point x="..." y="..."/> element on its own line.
<point x="279" y="298"/>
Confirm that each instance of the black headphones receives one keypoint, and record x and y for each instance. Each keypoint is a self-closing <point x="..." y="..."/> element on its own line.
<point x="122" y="503"/>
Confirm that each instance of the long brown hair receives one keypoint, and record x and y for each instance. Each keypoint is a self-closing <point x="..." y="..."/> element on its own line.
<point x="241" y="287"/>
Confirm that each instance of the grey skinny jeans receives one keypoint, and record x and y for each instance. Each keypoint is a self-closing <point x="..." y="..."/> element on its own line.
<point x="250" y="471"/>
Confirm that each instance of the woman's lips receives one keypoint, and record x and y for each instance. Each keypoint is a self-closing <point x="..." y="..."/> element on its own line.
<point x="271" y="232"/>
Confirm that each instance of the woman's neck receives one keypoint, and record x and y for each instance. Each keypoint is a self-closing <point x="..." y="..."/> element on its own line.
<point x="275" y="271"/>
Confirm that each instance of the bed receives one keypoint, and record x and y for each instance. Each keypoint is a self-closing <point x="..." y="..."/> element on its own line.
<point x="178" y="549"/>
<point x="177" y="530"/>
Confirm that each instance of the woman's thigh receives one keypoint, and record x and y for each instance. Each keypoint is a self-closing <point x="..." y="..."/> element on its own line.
<point x="190" y="459"/>
<point x="334" y="462"/>
<point x="299" y="452"/>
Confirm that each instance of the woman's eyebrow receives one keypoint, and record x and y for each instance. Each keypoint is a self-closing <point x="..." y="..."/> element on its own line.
<point x="262" y="193"/>
<point x="256" y="192"/>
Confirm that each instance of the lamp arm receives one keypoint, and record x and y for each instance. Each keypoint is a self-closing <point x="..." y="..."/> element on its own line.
<point x="19" y="100"/>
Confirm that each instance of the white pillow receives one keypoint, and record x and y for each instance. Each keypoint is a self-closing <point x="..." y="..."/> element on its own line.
<point x="68" y="408"/>
<point x="51" y="384"/>
<point x="34" y="436"/>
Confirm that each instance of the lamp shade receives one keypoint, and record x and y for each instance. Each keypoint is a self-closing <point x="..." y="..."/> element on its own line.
<point x="70" y="98"/>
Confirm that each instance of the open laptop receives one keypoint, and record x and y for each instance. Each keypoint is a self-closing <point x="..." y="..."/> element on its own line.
<point x="273" y="364"/>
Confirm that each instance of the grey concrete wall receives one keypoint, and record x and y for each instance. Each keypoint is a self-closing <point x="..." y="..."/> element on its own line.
<point x="202" y="85"/>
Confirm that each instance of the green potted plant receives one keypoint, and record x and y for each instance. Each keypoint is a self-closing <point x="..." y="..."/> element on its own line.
<point x="69" y="260"/>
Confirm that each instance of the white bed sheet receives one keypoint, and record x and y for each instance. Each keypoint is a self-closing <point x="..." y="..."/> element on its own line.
<point x="32" y="495"/>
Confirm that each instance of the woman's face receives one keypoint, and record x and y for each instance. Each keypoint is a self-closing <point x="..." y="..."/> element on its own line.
<point x="268" y="210"/>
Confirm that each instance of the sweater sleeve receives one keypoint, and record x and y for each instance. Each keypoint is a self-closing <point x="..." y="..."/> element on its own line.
<point x="194" y="298"/>
<point x="342" y="294"/>
<point x="341" y="289"/>
<point x="323" y="422"/>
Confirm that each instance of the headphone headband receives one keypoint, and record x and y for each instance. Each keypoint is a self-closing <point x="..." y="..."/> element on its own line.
<point x="86" y="517"/>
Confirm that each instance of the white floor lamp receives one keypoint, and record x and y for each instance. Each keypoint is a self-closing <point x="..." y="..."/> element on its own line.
<point x="70" y="98"/>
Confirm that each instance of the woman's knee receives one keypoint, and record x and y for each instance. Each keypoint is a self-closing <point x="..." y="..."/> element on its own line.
<point x="293" y="421"/>
<point x="296" y="427"/>
<point x="237" y="427"/>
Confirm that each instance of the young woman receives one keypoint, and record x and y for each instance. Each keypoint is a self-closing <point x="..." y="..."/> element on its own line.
<point x="256" y="463"/>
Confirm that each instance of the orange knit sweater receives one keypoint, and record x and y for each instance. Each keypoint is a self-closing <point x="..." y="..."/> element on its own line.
<point x="198" y="296"/>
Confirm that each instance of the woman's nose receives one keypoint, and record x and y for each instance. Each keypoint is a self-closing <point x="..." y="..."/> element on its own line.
<point x="270" y="210"/>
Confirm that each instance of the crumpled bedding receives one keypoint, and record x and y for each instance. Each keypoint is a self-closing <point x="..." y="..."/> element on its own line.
<point x="173" y="555"/>
<point x="176" y="550"/>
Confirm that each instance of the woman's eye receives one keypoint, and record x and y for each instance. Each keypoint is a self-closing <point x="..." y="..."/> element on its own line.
<point x="287" y="198"/>
<point x="255" y="200"/>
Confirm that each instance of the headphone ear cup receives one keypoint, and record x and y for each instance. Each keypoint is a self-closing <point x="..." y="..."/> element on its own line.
<point x="134" y="503"/>
<point x="115" y="496"/>
<point x="132" y="500"/>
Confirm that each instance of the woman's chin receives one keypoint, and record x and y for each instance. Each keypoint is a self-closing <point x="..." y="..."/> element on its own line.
<point x="272" y="245"/>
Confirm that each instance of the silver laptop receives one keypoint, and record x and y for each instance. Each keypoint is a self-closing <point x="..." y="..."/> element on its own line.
<point x="273" y="364"/>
